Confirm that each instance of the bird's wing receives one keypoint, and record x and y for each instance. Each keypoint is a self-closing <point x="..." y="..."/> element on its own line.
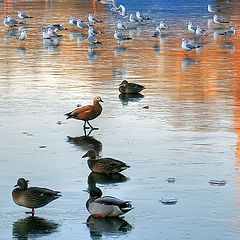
<point x="108" y="200"/>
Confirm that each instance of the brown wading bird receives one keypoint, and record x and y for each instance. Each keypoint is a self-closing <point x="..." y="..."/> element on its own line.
<point x="87" y="113"/>
<point x="104" y="165"/>
<point x="32" y="197"/>
<point x="126" y="87"/>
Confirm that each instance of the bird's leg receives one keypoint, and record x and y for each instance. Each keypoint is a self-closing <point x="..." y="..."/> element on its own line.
<point x="91" y="126"/>
<point x="31" y="212"/>
<point x="84" y="126"/>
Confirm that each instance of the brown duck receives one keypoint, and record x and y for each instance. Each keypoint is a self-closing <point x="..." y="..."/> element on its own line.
<point x="32" y="197"/>
<point x="126" y="87"/>
<point x="104" y="165"/>
<point x="87" y="113"/>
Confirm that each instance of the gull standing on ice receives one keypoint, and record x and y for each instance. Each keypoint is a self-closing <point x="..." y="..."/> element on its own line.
<point x="92" y="40"/>
<point x="199" y="32"/>
<point x="157" y="32"/>
<point x="12" y="20"/>
<point x="82" y="24"/>
<point x="121" y="26"/>
<point x="92" y="19"/>
<point x="163" y="26"/>
<point x="23" y="16"/>
<point x="141" y="17"/>
<point x="93" y="31"/>
<point x="191" y="27"/>
<point x="120" y="38"/>
<point x="211" y="9"/>
<point x="22" y="35"/>
<point x="187" y="46"/>
<point x="52" y="33"/>
<point x="229" y="33"/>
<point x="72" y="21"/>
<point x="218" y="20"/>
<point x="8" y="23"/>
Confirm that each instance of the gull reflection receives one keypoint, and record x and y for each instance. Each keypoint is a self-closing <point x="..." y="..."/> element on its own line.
<point x="229" y="47"/>
<point x="92" y="54"/>
<point x="12" y="33"/>
<point x="188" y="62"/>
<point x="51" y="45"/>
<point x="34" y="227"/>
<point x="22" y="51"/>
<point x="81" y="38"/>
<point x="114" y="227"/>
<point x="119" y="50"/>
<point x="84" y="143"/>
<point x="133" y="97"/>
<point x="157" y="50"/>
<point x="99" y="178"/>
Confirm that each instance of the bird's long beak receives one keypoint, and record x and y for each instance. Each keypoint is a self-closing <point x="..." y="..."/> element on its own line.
<point x="85" y="155"/>
<point x="101" y="100"/>
<point x="15" y="185"/>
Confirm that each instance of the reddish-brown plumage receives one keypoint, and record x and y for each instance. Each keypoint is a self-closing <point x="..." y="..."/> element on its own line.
<point x="88" y="112"/>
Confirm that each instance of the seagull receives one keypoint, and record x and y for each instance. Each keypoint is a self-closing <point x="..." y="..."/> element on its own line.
<point x="22" y="36"/>
<point x="23" y="16"/>
<point x="72" y="21"/>
<point x="93" y="31"/>
<point x="200" y="32"/>
<point x="92" y="40"/>
<point x="187" y="46"/>
<point x="92" y="19"/>
<point x="157" y="32"/>
<point x="211" y="9"/>
<point x="141" y="17"/>
<point x="191" y="28"/>
<point x="229" y="33"/>
<point x="218" y="20"/>
<point x="82" y="24"/>
<point x="45" y="33"/>
<point x="12" y="20"/>
<point x="52" y="33"/>
<point x="163" y="26"/>
<point x="122" y="10"/>
<point x="56" y="27"/>
<point x="121" y="26"/>
<point x="133" y="19"/>
<point x="8" y="23"/>
<point x="120" y="38"/>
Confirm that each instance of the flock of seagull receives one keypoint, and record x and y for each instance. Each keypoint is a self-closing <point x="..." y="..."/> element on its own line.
<point x="52" y="31"/>
<point x="98" y="206"/>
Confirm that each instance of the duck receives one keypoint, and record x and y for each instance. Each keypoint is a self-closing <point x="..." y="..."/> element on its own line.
<point x="87" y="113"/>
<point x="126" y="87"/>
<point x="32" y="197"/>
<point x="104" y="165"/>
<point x="106" y="206"/>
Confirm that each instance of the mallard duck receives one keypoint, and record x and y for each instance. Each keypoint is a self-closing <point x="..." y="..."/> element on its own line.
<point x="126" y="87"/>
<point x="32" y="197"/>
<point x="87" y="113"/>
<point x="104" y="165"/>
<point x="106" y="206"/>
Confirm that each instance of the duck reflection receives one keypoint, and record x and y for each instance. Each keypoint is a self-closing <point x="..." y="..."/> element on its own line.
<point x="34" y="227"/>
<point x="114" y="226"/>
<point x="85" y="143"/>
<point x="133" y="97"/>
<point x="99" y="178"/>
